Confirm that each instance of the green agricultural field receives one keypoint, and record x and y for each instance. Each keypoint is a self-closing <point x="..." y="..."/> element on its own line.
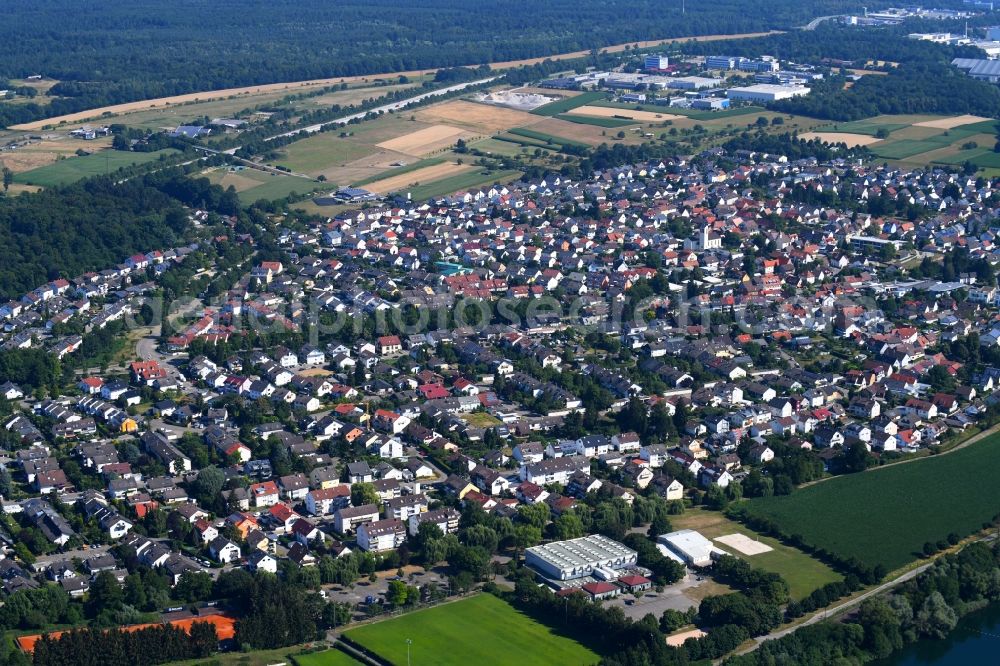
<point x="569" y="103"/>
<point x="886" y="515"/>
<point x="802" y="572"/>
<point x="399" y="171"/>
<point x="462" y="181"/>
<point x="325" y="658"/>
<point x="477" y="630"/>
<point x="525" y="141"/>
<point x="279" y="187"/>
<point x="547" y="138"/>
<point x="73" y="169"/>
<point x="597" y="121"/>
<point x="496" y="147"/>
<point x="903" y="148"/>
<point x="321" y="151"/>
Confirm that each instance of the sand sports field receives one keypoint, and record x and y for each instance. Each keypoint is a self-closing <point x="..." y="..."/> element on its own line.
<point x="951" y="123"/>
<point x="424" y="141"/>
<point x="479" y="117"/>
<point x="852" y="140"/>
<point x="678" y="639"/>
<point x="425" y="175"/>
<point x="744" y="544"/>
<point x="298" y="86"/>
<point x="608" y="112"/>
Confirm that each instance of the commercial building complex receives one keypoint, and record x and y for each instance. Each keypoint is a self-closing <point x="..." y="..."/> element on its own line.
<point x="595" y="555"/>
<point x="765" y="93"/>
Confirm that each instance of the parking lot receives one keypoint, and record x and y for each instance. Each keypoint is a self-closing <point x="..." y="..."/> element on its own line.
<point x="363" y="589"/>
<point x="680" y="596"/>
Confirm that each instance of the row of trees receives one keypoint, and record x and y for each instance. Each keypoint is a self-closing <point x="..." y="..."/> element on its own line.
<point x="926" y="607"/>
<point x="115" y="647"/>
<point x="139" y="53"/>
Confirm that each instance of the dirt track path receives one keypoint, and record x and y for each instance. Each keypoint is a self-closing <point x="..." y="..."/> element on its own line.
<point x="298" y="86"/>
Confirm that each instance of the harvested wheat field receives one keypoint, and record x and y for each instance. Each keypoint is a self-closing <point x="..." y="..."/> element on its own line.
<point x="238" y="181"/>
<point x="852" y="140"/>
<point x="480" y="118"/>
<point x="424" y="141"/>
<point x="51" y="148"/>
<point x="609" y="112"/>
<point x="950" y="123"/>
<point x="425" y="175"/>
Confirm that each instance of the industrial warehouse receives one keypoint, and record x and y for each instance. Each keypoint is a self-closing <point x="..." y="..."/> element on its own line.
<point x="594" y="555"/>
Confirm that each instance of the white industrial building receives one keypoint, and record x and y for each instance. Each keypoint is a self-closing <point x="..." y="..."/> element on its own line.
<point x="765" y="93"/>
<point x="690" y="546"/>
<point x="693" y="83"/>
<point x="595" y="555"/>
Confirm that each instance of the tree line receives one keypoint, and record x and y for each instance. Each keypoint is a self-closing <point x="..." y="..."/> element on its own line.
<point x="137" y="51"/>
<point x="928" y="606"/>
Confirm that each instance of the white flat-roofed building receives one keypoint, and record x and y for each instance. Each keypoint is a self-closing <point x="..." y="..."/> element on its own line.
<point x="693" y="83"/>
<point x="691" y="546"/>
<point x="594" y="555"/>
<point x="765" y="92"/>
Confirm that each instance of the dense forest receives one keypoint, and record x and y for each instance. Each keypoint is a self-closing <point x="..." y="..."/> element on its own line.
<point x="94" y="224"/>
<point x="106" y="53"/>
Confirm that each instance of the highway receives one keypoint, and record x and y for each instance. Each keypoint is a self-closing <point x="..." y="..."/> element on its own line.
<point x="812" y="25"/>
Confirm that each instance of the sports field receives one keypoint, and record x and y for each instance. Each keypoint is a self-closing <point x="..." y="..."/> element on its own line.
<point x="479" y="630"/>
<point x="74" y="168"/>
<point x="802" y="572"/>
<point x="884" y="516"/>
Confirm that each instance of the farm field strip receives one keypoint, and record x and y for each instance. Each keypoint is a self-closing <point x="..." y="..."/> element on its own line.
<point x="423" y="141"/>
<point x="568" y="103"/>
<point x="72" y="169"/>
<point x="632" y="114"/>
<point x="462" y="181"/>
<point x="852" y="140"/>
<point x="884" y="516"/>
<point x="427" y="174"/>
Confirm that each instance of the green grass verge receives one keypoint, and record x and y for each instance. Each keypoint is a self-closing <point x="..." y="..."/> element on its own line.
<point x="479" y="630"/>
<point x="461" y="181"/>
<point x="397" y="171"/>
<point x="568" y="103"/>
<point x="546" y="138"/>
<point x="73" y="169"/>
<point x="597" y="121"/>
<point x="320" y="151"/>
<point x="325" y="658"/>
<point x="802" y="572"/>
<point x="279" y="187"/>
<point x="885" y="516"/>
